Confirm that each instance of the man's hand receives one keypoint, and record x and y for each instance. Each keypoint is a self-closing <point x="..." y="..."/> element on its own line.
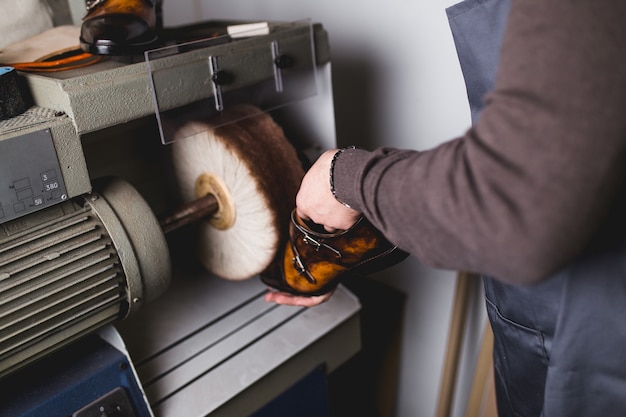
<point x="316" y="202"/>
<point x="296" y="300"/>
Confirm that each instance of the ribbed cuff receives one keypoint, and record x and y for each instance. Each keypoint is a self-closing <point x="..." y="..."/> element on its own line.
<point x="345" y="172"/>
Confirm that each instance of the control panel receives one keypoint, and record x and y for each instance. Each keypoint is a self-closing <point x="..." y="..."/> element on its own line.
<point x="30" y="175"/>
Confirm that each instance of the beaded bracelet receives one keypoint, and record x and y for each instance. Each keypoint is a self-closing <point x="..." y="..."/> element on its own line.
<point x="332" y="172"/>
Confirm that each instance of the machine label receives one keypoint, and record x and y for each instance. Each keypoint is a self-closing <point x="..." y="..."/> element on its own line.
<point x="30" y="175"/>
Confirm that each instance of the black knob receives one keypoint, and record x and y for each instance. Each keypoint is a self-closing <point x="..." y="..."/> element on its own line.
<point x="283" y="61"/>
<point x="222" y="78"/>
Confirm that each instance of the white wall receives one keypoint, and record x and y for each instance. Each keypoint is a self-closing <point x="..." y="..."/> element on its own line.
<point x="397" y="82"/>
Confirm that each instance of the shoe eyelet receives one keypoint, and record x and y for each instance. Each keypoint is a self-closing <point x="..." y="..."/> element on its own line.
<point x="301" y="269"/>
<point x="308" y="240"/>
<point x="92" y="4"/>
<point x="297" y="263"/>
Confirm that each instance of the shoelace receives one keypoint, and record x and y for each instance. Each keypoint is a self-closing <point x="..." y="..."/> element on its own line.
<point x="69" y="60"/>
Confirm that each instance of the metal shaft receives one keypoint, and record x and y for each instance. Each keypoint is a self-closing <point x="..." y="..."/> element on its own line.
<point x="190" y="213"/>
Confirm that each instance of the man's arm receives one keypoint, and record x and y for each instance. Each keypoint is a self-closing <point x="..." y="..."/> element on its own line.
<point x="524" y="190"/>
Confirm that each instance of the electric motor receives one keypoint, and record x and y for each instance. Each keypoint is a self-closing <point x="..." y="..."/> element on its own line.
<point x="71" y="268"/>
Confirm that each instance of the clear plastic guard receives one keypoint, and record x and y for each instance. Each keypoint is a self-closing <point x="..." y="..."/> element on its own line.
<point x="198" y="80"/>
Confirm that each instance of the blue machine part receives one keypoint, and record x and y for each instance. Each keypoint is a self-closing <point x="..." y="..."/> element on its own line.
<point x="306" y="398"/>
<point x="87" y="378"/>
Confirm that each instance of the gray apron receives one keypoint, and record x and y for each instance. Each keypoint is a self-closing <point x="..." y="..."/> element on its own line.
<point x="560" y="346"/>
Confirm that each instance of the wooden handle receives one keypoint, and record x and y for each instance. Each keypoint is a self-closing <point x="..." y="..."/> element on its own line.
<point x="460" y="304"/>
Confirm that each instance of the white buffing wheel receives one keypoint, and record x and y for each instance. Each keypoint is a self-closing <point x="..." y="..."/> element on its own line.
<point x="254" y="172"/>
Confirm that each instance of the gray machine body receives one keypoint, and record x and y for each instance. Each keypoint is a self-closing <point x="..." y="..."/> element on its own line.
<point x="87" y="250"/>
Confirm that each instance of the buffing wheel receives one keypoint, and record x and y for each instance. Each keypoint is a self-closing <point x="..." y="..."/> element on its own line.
<point x="254" y="172"/>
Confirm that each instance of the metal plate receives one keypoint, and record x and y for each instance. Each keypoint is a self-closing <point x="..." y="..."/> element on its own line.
<point x="30" y="175"/>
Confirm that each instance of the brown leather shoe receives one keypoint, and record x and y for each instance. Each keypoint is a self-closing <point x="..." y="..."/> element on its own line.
<point x="120" y="27"/>
<point x="314" y="261"/>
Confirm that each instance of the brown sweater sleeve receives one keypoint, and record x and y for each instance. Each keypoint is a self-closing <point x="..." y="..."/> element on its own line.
<point x="525" y="189"/>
